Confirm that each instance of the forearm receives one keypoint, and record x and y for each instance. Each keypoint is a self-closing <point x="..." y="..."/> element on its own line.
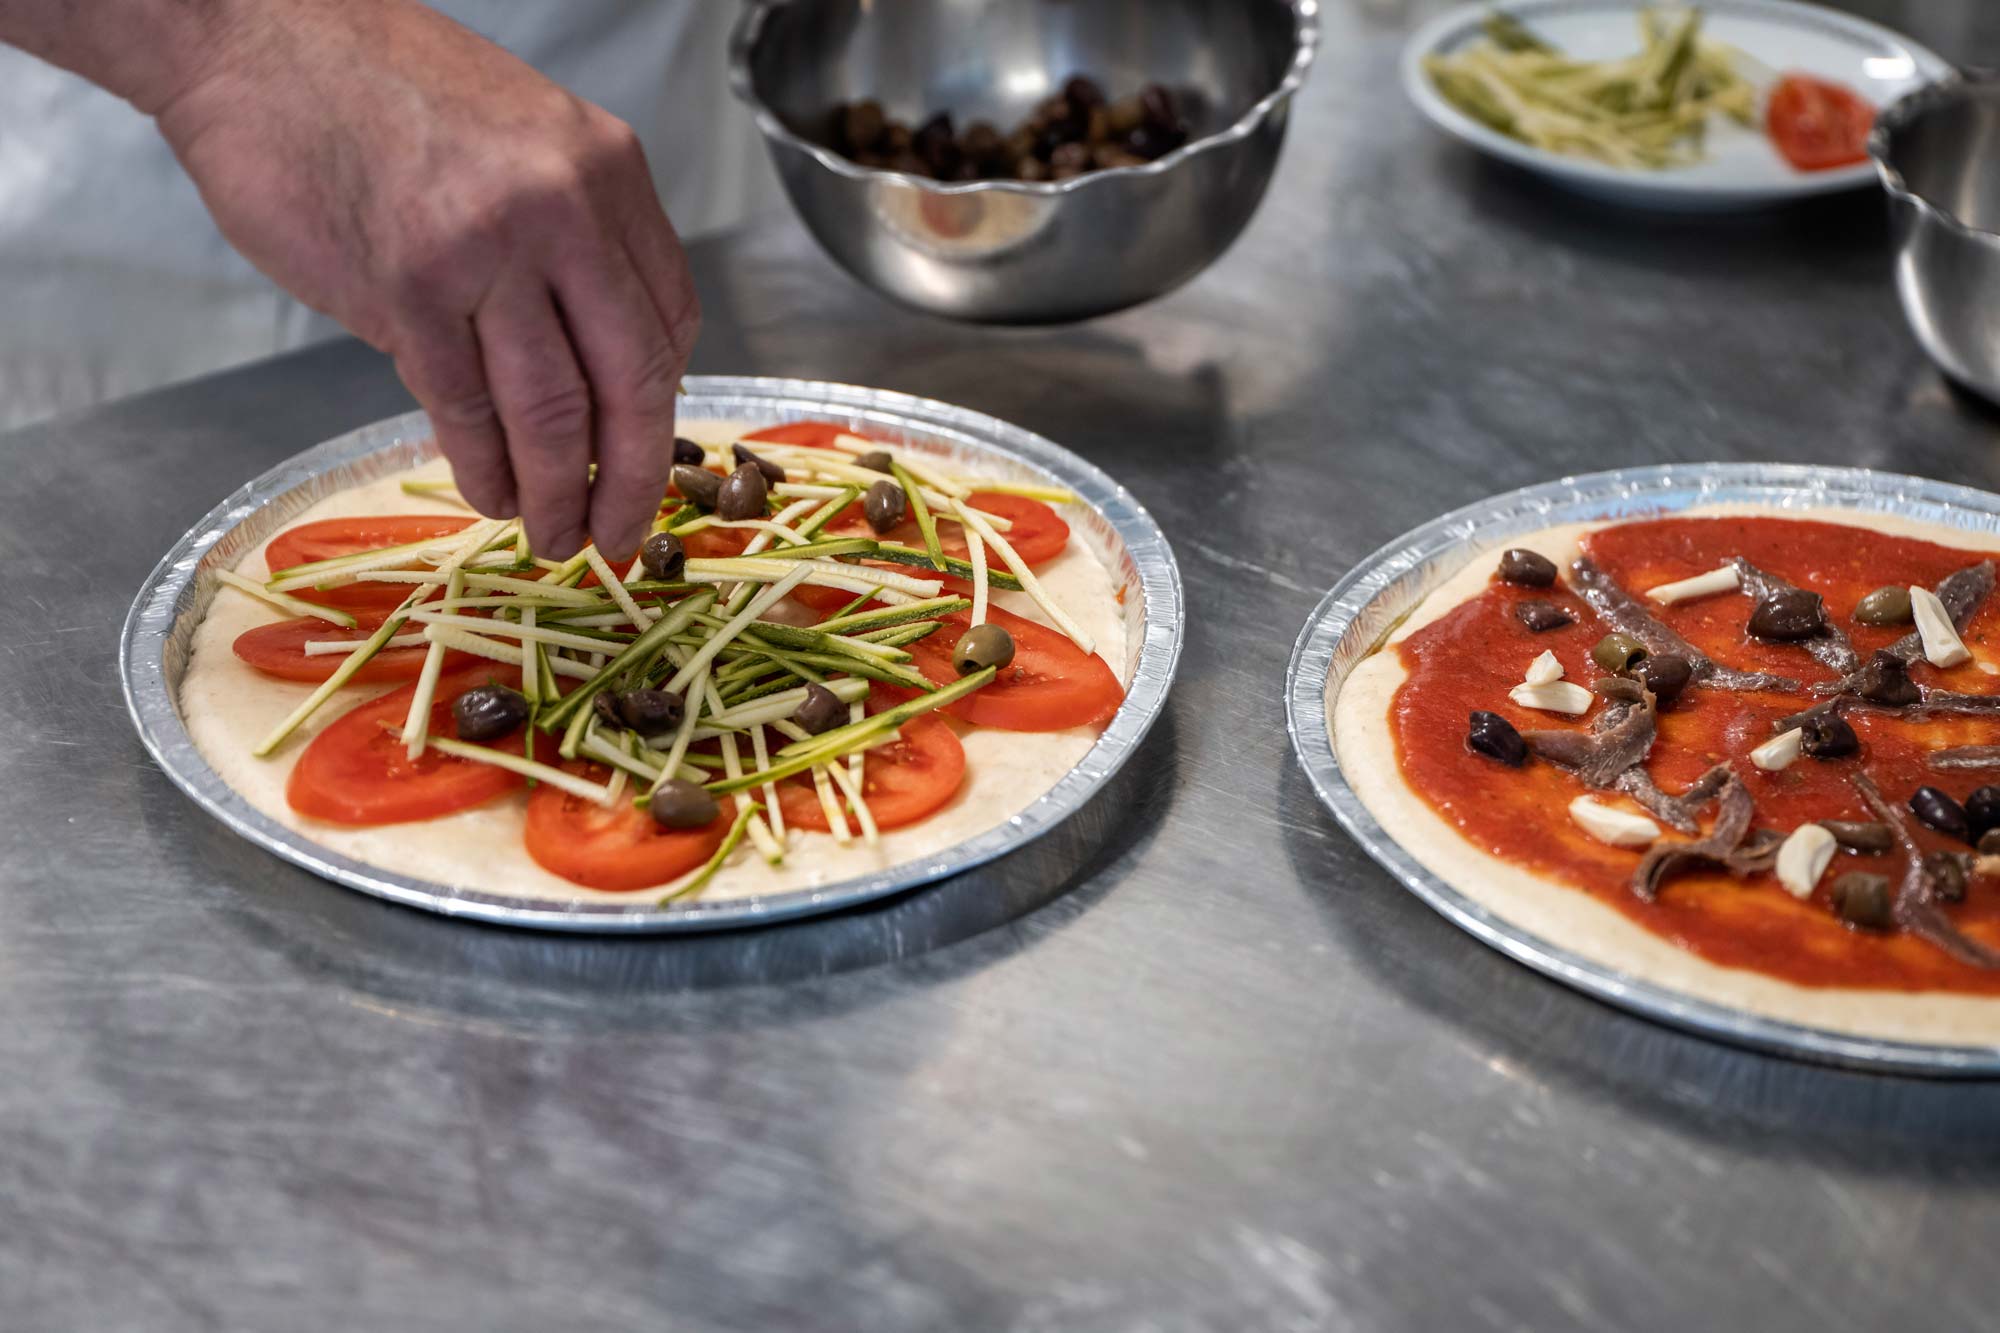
<point x="145" y="51"/>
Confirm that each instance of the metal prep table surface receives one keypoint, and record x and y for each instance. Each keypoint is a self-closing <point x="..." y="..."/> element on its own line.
<point x="1193" y="1063"/>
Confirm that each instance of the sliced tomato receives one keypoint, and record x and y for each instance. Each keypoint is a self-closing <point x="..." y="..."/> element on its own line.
<point x="1817" y="124"/>
<point x="328" y="538"/>
<point x="1050" y="685"/>
<point x="357" y="772"/>
<point x="1038" y="535"/>
<point x="279" y="649"/>
<point x="619" y="850"/>
<point x="809" y="434"/>
<point x="902" y="782"/>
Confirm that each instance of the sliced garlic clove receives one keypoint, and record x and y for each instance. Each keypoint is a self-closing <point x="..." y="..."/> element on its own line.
<point x="1559" y="697"/>
<point x="1545" y="670"/>
<point x="1715" y="581"/>
<point x="1942" y="646"/>
<point x="1781" y="751"/>
<point x="1803" y="858"/>
<point x="1605" y="823"/>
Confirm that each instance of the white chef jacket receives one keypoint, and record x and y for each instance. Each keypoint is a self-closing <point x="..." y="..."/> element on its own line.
<point x="113" y="279"/>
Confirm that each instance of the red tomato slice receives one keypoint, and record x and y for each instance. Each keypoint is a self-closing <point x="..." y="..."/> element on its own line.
<point x="1038" y="535"/>
<point x="279" y="649"/>
<point x="1050" y="685"/>
<point x="902" y="782"/>
<point x="619" y="850"/>
<point x="356" y="772"/>
<point x="809" y="434"/>
<point x="1817" y="124"/>
<point x="327" y="538"/>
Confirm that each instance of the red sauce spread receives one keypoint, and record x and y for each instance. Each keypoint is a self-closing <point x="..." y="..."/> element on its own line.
<point x="1470" y="658"/>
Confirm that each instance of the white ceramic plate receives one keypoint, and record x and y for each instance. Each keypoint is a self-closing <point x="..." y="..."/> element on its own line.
<point x="1741" y="168"/>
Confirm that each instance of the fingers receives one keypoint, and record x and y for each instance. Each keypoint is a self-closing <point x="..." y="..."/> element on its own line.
<point x="544" y="406"/>
<point x="662" y="264"/>
<point x="633" y="369"/>
<point x="441" y="367"/>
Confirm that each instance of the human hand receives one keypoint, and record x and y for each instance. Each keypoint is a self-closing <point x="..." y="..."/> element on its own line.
<point x="495" y="235"/>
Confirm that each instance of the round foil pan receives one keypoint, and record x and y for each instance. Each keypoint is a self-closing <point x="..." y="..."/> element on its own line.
<point x="1366" y="606"/>
<point x="159" y="633"/>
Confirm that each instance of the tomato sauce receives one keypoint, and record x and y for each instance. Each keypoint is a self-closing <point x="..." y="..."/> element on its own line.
<point x="1470" y="657"/>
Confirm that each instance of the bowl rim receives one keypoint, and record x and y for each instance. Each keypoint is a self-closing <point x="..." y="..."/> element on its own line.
<point x="749" y="27"/>
<point x="1960" y="84"/>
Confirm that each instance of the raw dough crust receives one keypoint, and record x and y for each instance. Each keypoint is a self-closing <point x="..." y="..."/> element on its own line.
<point x="229" y="707"/>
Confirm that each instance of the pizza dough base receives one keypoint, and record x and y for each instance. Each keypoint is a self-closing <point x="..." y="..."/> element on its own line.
<point x="1572" y="920"/>
<point x="229" y="707"/>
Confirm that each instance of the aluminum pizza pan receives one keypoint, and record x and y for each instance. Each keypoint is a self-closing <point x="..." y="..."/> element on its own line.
<point x="1374" y="597"/>
<point x="159" y="633"/>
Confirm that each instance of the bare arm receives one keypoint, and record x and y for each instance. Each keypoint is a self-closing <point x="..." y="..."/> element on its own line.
<point x="495" y="235"/>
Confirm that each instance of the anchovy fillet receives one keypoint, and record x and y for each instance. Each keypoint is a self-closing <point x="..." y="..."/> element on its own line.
<point x="1966" y="757"/>
<point x="1622" y="611"/>
<point x="1916" y="907"/>
<point x="1961" y="593"/>
<point x="1829" y="647"/>
<point x="1677" y="856"/>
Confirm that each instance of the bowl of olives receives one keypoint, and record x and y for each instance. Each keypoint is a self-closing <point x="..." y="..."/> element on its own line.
<point x="1023" y="161"/>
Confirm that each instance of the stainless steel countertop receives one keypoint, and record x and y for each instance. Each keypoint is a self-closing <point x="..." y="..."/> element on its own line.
<point x="1194" y="1063"/>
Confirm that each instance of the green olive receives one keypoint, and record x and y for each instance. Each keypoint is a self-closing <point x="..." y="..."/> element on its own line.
<point x="980" y="647"/>
<point x="681" y="804"/>
<point x="1615" y="652"/>
<point x="1884" y="606"/>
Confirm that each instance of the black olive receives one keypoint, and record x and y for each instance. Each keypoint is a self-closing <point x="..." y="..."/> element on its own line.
<point x="1938" y="810"/>
<point x="936" y="144"/>
<point x="861" y="125"/>
<point x="772" y="472"/>
<point x="1666" y="676"/>
<point x="1989" y="843"/>
<point x="1886" y="680"/>
<point x="1070" y="157"/>
<point x="1861" y="899"/>
<point x="1884" y="606"/>
<point x="742" y="494"/>
<point x="1944" y="873"/>
<point x="663" y="555"/>
<point x="698" y="486"/>
<point x="1156" y="104"/>
<point x="605" y="704"/>
<point x="1860" y="837"/>
<point x="1494" y="736"/>
<point x="1828" y="736"/>
<point x="651" y="712"/>
<point x="1789" y="616"/>
<point x="1082" y="90"/>
<point x="488" y="712"/>
<point x="821" y="711"/>
<point x="1540" y="616"/>
<point x="884" y="505"/>
<point x="1530" y="569"/>
<point x="875" y="460"/>
<point x="980" y="647"/>
<point x="688" y="452"/>
<point x="1982" y="810"/>
<point x="680" y="804"/>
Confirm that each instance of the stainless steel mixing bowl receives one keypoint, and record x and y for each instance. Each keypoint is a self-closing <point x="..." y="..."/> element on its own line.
<point x="1938" y="152"/>
<point x="1014" y="251"/>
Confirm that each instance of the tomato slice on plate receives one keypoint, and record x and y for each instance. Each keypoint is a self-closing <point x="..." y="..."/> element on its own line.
<point x="327" y="538"/>
<point x="356" y="771"/>
<point x="619" y="850"/>
<point x="279" y="649"/>
<point x="809" y="434"/>
<point x="902" y="782"/>
<point x="1817" y="124"/>
<point x="1051" y="684"/>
